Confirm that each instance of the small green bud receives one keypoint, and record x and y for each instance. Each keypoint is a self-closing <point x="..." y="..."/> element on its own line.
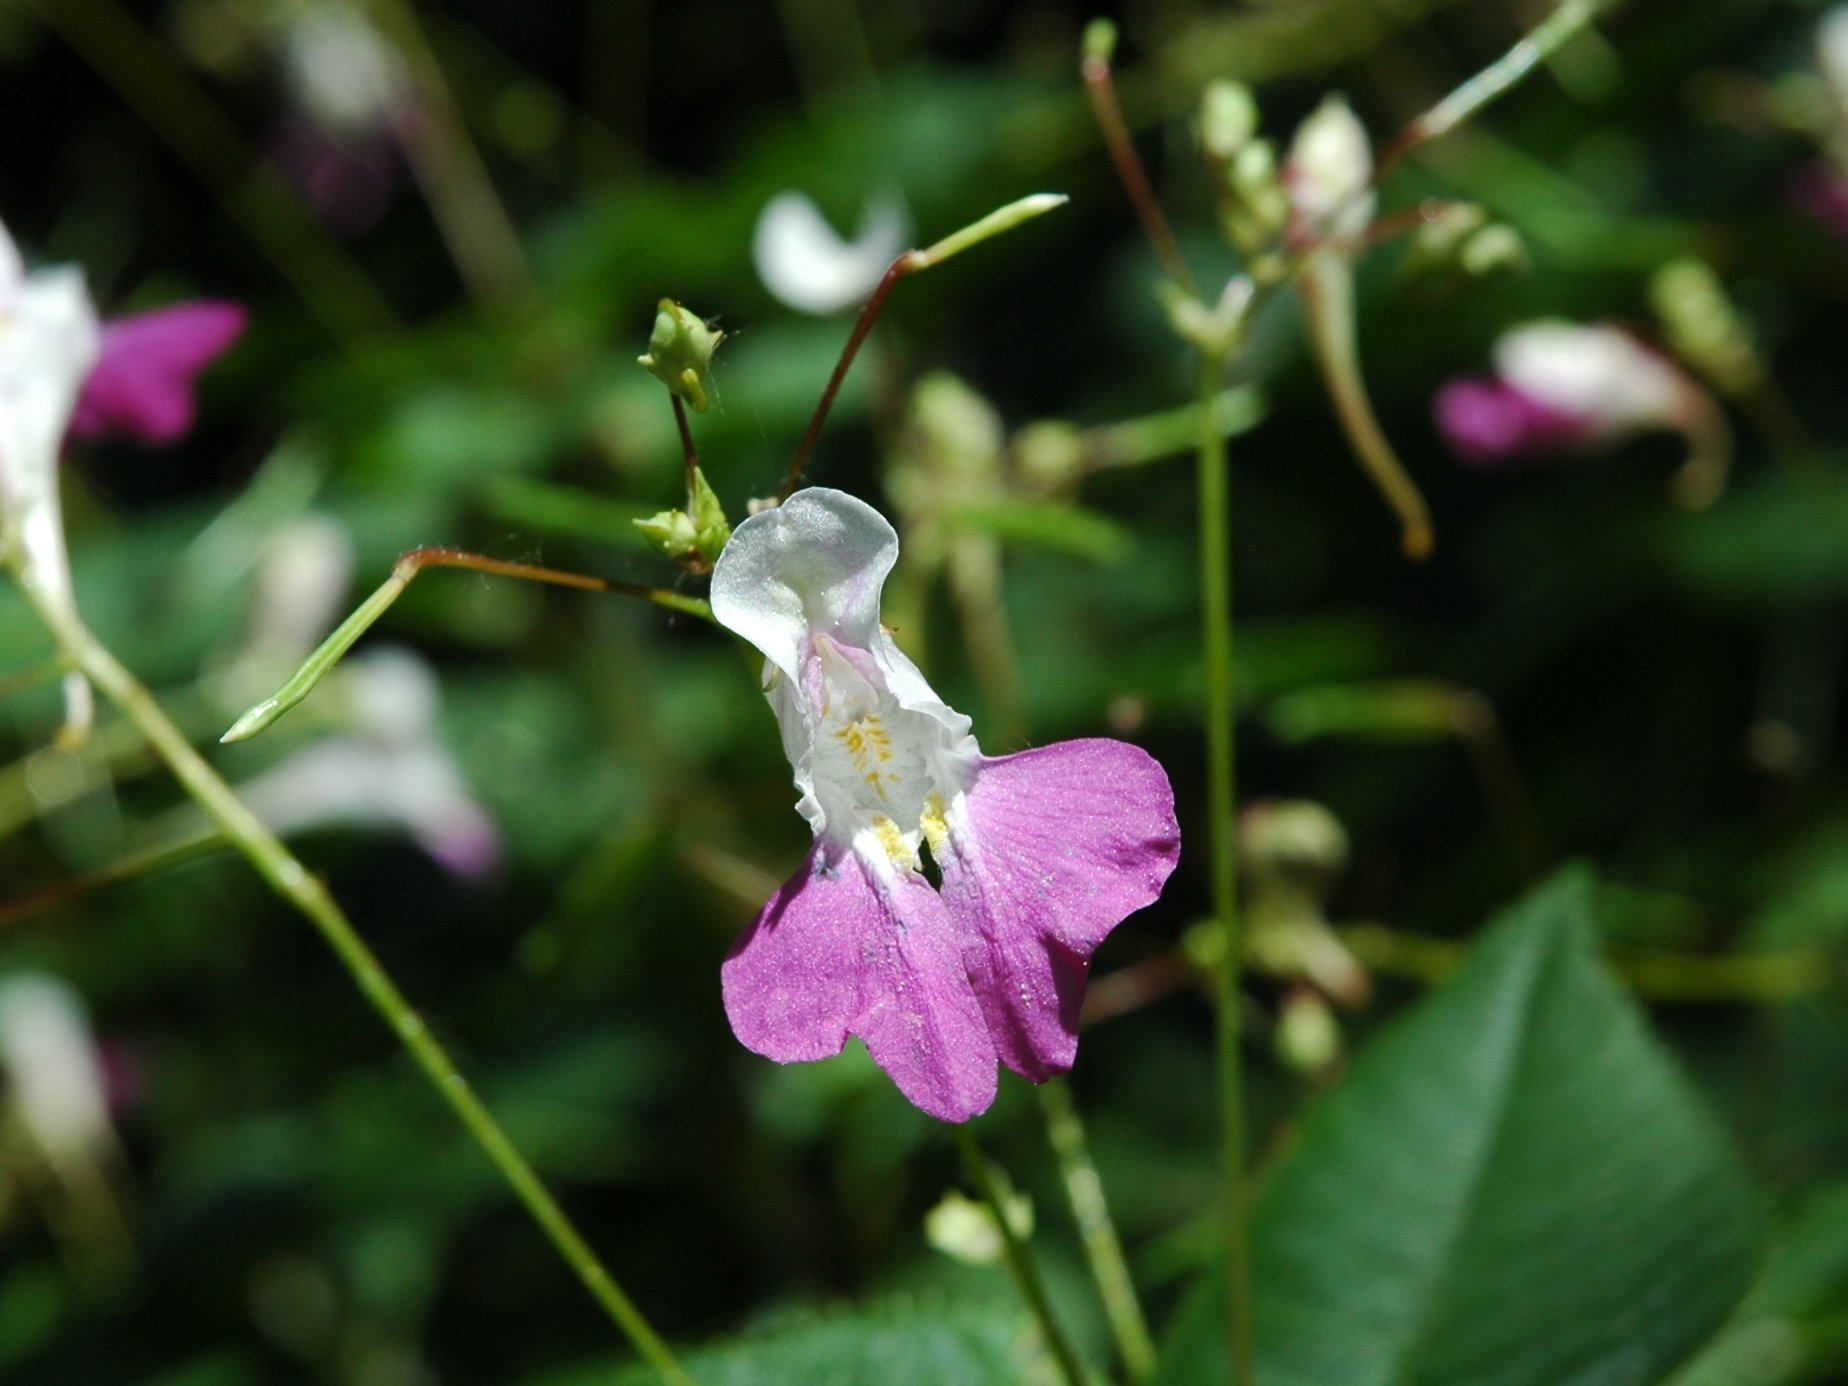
<point x="1461" y="237"/>
<point x="1703" y="326"/>
<point x="1308" y="1038"/>
<point x="1100" y="41"/>
<point x="1049" y="454"/>
<point x="967" y="1231"/>
<point x="672" y="533"/>
<point x="1228" y="120"/>
<point x="680" y="353"/>
<point x="1496" y="249"/>
<point x="694" y="537"/>
<point x="711" y="530"/>
<point x="1292" y="836"/>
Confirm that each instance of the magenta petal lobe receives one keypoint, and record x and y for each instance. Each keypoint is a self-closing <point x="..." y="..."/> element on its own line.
<point x="842" y="950"/>
<point x="143" y="381"/>
<point x="1051" y="850"/>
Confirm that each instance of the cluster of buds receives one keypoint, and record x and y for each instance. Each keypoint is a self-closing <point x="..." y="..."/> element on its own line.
<point x="679" y="355"/>
<point x="1250" y="197"/>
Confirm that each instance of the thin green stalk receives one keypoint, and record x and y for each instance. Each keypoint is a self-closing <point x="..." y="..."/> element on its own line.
<point x="157" y="87"/>
<point x="1216" y="642"/>
<point x="305" y="892"/>
<point x="1026" y="1275"/>
<point x="1546" y="39"/>
<point x="1102" y="1248"/>
<point x="319" y="664"/>
<point x="449" y="169"/>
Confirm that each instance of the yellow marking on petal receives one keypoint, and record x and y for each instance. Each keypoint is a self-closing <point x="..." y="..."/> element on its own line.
<point x="936" y="827"/>
<point x="868" y="746"/>
<point x="894" y="843"/>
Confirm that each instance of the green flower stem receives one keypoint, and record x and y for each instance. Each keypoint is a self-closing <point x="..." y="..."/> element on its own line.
<point x="160" y="90"/>
<point x="1026" y="1275"/>
<point x="448" y="167"/>
<point x="1327" y="287"/>
<point x="995" y="223"/>
<point x="294" y="883"/>
<point x="686" y="446"/>
<point x="322" y="661"/>
<point x="1215" y="504"/>
<point x="1546" y="39"/>
<point x="1100" y="88"/>
<point x="1168" y="432"/>
<point x="1085" y="1190"/>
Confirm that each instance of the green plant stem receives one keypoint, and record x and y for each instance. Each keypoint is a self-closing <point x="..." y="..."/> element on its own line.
<point x="1546" y="39"/>
<point x="449" y="169"/>
<point x="1026" y="1275"/>
<point x="321" y="662"/>
<point x="158" y="88"/>
<point x="1654" y="974"/>
<point x="1215" y="504"/>
<point x="305" y="892"/>
<point x="18" y="680"/>
<point x="1128" y="1326"/>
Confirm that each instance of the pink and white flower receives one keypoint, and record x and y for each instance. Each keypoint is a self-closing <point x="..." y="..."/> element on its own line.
<point x="1040" y="854"/>
<point x="48" y="343"/>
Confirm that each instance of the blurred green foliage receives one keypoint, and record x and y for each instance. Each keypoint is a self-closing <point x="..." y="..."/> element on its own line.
<point x="1666" y="691"/>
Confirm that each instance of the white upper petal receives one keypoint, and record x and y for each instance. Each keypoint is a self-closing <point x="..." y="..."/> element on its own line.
<point x="871" y="744"/>
<point x="808" y="266"/>
<point x="814" y="564"/>
<point x="48" y="344"/>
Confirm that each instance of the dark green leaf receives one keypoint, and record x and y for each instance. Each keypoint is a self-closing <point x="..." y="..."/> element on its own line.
<point x="1514" y="1188"/>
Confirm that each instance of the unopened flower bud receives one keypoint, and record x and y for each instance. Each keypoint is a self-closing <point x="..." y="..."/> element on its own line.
<point x="693" y="538"/>
<point x="680" y="351"/>
<point x="672" y="533"/>
<point x="1329" y="175"/>
<point x="1703" y="326"/>
<point x="711" y="530"/>
<point x="1228" y="120"/>
<point x="1462" y="238"/>
<point x="1308" y="1037"/>
<point x="1049" y="454"/>
<point x="966" y="1230"/>
<point x="1294" y="836"/>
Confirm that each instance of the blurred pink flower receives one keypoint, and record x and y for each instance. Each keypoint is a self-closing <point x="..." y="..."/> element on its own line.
<point x="1040" y="855"/>
<point x="142" y="384"/>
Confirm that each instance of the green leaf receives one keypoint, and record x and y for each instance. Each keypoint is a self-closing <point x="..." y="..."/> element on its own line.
<point x="1789" y="1329"/>
<point x="911" y="1345"/>
<point x="1515" y="1187"/>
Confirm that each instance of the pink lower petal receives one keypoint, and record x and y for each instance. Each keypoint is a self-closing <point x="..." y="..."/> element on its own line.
<point x="838" y="952"/>
<point x="142" y="384"/>
<point x="1056" y="847"/>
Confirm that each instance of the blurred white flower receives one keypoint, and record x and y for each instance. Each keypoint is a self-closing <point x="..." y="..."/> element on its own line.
<point x="49" y="339"/>
<point x="809" y="267"/>
<point x="54" y="1075"/>
<point x="389" y="770"/>
<point x="340" y="70"/>
<point x="1597" y="373"/>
